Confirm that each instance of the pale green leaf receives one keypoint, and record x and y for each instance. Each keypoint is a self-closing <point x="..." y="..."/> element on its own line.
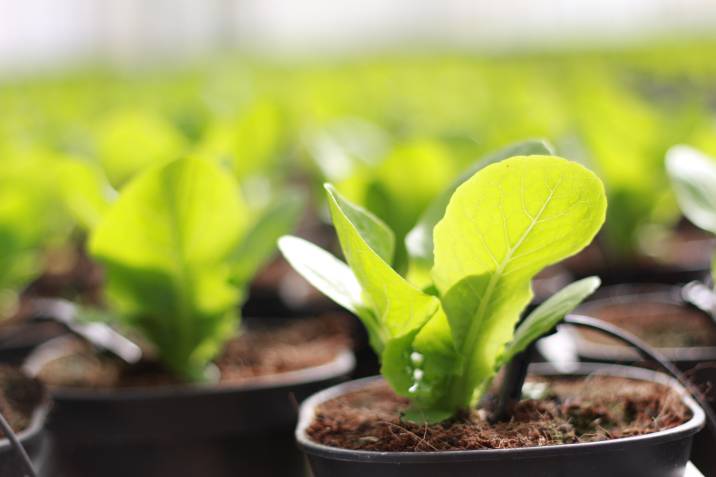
<point x="324" y="271"/>
<point x="434" y="355"/>
<point x="259" y="242"/>
<point x="129" y="141"/>
<point x="419" y="241"/>
<point x="164" y="244"/>
<point x="501" y="227"/>
<point x="85" y="190"/>
<point x="397" y="306"/>
<point x="547" y="315"/>
<point x="693" y="177"/>
<point x="376" y="234"/>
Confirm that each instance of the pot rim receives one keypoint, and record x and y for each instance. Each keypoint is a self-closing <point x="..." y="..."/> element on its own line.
<point x="687" y="429"/>
<point x="628" y="293"/>
<point x="342" y="364"/>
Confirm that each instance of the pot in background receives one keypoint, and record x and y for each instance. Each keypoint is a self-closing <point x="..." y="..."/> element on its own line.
<point x="683" y="256"/>
<point x="33" y="440"/>
<point x="177" y="431"/>
<point x="697" y="362"/>
<point x="661" y="454"/>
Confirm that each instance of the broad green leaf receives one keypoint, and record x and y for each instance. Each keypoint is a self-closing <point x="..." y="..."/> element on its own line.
<point x="249" y="144"/>
<point x="501" y="227"/>
<point x="625" y="141"/>
<point x="547" y="315"/>
<point x="399" y="191"/>
<point x="693" y="177"/>
<point x="32" y="220"/>
<point x="377" y="235"/>
<point x="344" y="148"/>
<point x="86" y="192"/>
<point x="259" y="243"/>
<point x="381" y="186"/>
<point x="324" y="271"/>
<point x="419" y="241"/>
<point x="132" y="140"/>
<point x="398" y="309"/>
<point x="165" y="244"/>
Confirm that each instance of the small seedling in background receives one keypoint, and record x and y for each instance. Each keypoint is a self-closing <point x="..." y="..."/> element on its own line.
<point x="693" y="178"/>
<point x="31" y="222"/>
<point x="179" y="247"/>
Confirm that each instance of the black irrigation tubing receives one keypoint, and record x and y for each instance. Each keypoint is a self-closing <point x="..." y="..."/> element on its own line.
<point x="19" y="450"/>
<point x="648" y="353"/>
<point x="516" y="370"/>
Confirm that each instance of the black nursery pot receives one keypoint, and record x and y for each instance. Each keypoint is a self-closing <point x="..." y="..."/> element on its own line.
<point x="661" y="454"/>
<point x="225" y="430"/>
<point x="615" y="273"/>
<point x="32" y="439"/>
<point x="679" y="267"/>
<point x="697" y="362"/>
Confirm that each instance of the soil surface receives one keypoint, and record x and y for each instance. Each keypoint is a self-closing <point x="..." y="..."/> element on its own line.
<point x="19" y="397"/>
<point x="661" y="325"/>
<point x="571" y="411"/>
<point x="256" y="352"/>
<point x="70" y="274"/>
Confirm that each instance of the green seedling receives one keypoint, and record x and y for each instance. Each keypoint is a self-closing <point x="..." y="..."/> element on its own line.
<point x="442" y="345"/>
<point x="179" y="246"/>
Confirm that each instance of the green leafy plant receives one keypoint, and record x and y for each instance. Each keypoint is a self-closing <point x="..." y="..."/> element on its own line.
<point x="179" y="246"/>
<point x="441" y="347"/>
<point x="128" y="141"/>
<point x="693" y="178"/>
<point x="31" y="223"/>
<point x="625" y="137"/>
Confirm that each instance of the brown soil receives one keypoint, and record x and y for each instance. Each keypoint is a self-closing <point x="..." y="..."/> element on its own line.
<point x="19" y="397"/>
<point x="661" y="325"/>
<point x="573" y="411"/>
<point x="260" y="351"/>
<point x="70" y="274"/>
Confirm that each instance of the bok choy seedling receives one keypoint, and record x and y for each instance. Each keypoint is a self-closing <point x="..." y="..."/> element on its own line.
<point x="31" y="223"/>
<point x="179" y="246"/>
<point x="693" y="178"/>
<point x="442" y="345"/>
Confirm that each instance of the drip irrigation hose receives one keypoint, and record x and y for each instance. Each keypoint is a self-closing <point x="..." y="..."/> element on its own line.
<point x="516" y="372"/>
<point x="649" y="354"/>
<point x="17" y="447"/>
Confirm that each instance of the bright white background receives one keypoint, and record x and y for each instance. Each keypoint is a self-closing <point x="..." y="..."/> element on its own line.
<point x="47" y="33"/>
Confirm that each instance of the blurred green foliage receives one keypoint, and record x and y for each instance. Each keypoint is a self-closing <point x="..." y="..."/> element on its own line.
<point x="391" y="132"/>
<point x="179" y="247"/>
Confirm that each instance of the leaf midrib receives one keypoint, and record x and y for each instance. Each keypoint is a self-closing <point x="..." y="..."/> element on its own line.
<point x="478" y="321"/>
<point x="182" y="280"/>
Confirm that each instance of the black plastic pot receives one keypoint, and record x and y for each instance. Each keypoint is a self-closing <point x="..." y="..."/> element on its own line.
<point x="661" y="454"/>
<point x="698" y="363"/>
<point x="620" y="273"/>
<point x="32" y="439"/>
<point x="675" y="270"/>
<point x="183" y="430"/>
